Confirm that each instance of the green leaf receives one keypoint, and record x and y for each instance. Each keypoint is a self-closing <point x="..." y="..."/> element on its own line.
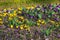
<point x="47" y="32"/>
<point x="58" y="8"/>
<point x="54" y="5"/>
<point x="30" y="23"/>
<point x="40" y="16"/>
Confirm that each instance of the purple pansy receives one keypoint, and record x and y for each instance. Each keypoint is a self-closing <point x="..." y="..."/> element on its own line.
<point x="58" y="35"/>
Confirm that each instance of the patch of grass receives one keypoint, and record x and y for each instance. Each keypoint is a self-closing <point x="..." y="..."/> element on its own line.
<point x="18" y="3"/>
<point x="5" y="3"/>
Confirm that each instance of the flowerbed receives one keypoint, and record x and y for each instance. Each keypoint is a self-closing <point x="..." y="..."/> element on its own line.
<point x="44" y="19"/>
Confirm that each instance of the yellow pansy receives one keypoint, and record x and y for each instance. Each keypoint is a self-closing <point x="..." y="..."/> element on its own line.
<point x="1" y="15"/>
<point x="4" y="10"/>
<point x="19" y="12"/>
<point x="38" y="8"/>
<point x="14" y="11"/>
<point x="32" y="7"/>
<point x="21" y="27"/>
<point x="38" y="24"/>
<point x="21" y="17"/>
<point x="11" y="26"/>
<point x="39" y="20"/>
<point x="11" y="15"/>
<point x="16" y="26"/>
<point x="25" y="25"/>
<point x="57" y="24"/>
<point x="0" y="19"/>
<point x="28" y="29"/>
<point x="43" y="22"/>
<point x="1" y="22"/>
<point x="14" y="14"/>
<point x="28" y="8"/>
<point x="4" y="14"/>
<point x="10" y="18"/>
<point x="52" y="21"/>
<point x="19" y="8"/>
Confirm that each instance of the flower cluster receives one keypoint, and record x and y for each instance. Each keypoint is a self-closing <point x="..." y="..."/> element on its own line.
<point x="32" y="16"/>
<point x="46" y="17"/>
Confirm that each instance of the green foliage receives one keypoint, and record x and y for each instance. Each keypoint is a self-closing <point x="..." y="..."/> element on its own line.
<point x="5" y="3"/>
<point x="30" y="23"/>
<point x="47" y="32"/>
<point x="40" y="16"/>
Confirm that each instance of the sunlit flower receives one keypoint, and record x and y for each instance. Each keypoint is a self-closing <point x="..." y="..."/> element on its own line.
<point x="19" y="8"/>
<point x="1" y="15"/>
<point x="11" y="26"/>
<point x="38" y="8"/>
<point x="52" y="21"/>
<point x="16" y="26"/>
<point x="10" y="18"/>
<point x="25" y="25"/>
<point x="4" y="10"/>
<point x="38" y="24"/>
<point x="21" y="27"/>
<point x="57" y="24"/>
<point x="39" y="21"/>
<point x="28" y="8"/>
<point x="14" y="11"/>
<point x="15" y="14"/>
<point x="1" y="22"/>
<point x="28" y="28"/>
<point x="21" y="17"/>
<point x="0" y="19"/>
<point x="19" y="12"/>
<point x="32" y="7"/>
<point x="43" y="22"/>
<point x="4" y="14"/>
<point x="11" y="15"/>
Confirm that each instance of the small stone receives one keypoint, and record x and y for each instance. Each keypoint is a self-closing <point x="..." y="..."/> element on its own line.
<point x="47" y="39"/>
<point x="31" y="39"/>
<point x="58" y="35"/>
